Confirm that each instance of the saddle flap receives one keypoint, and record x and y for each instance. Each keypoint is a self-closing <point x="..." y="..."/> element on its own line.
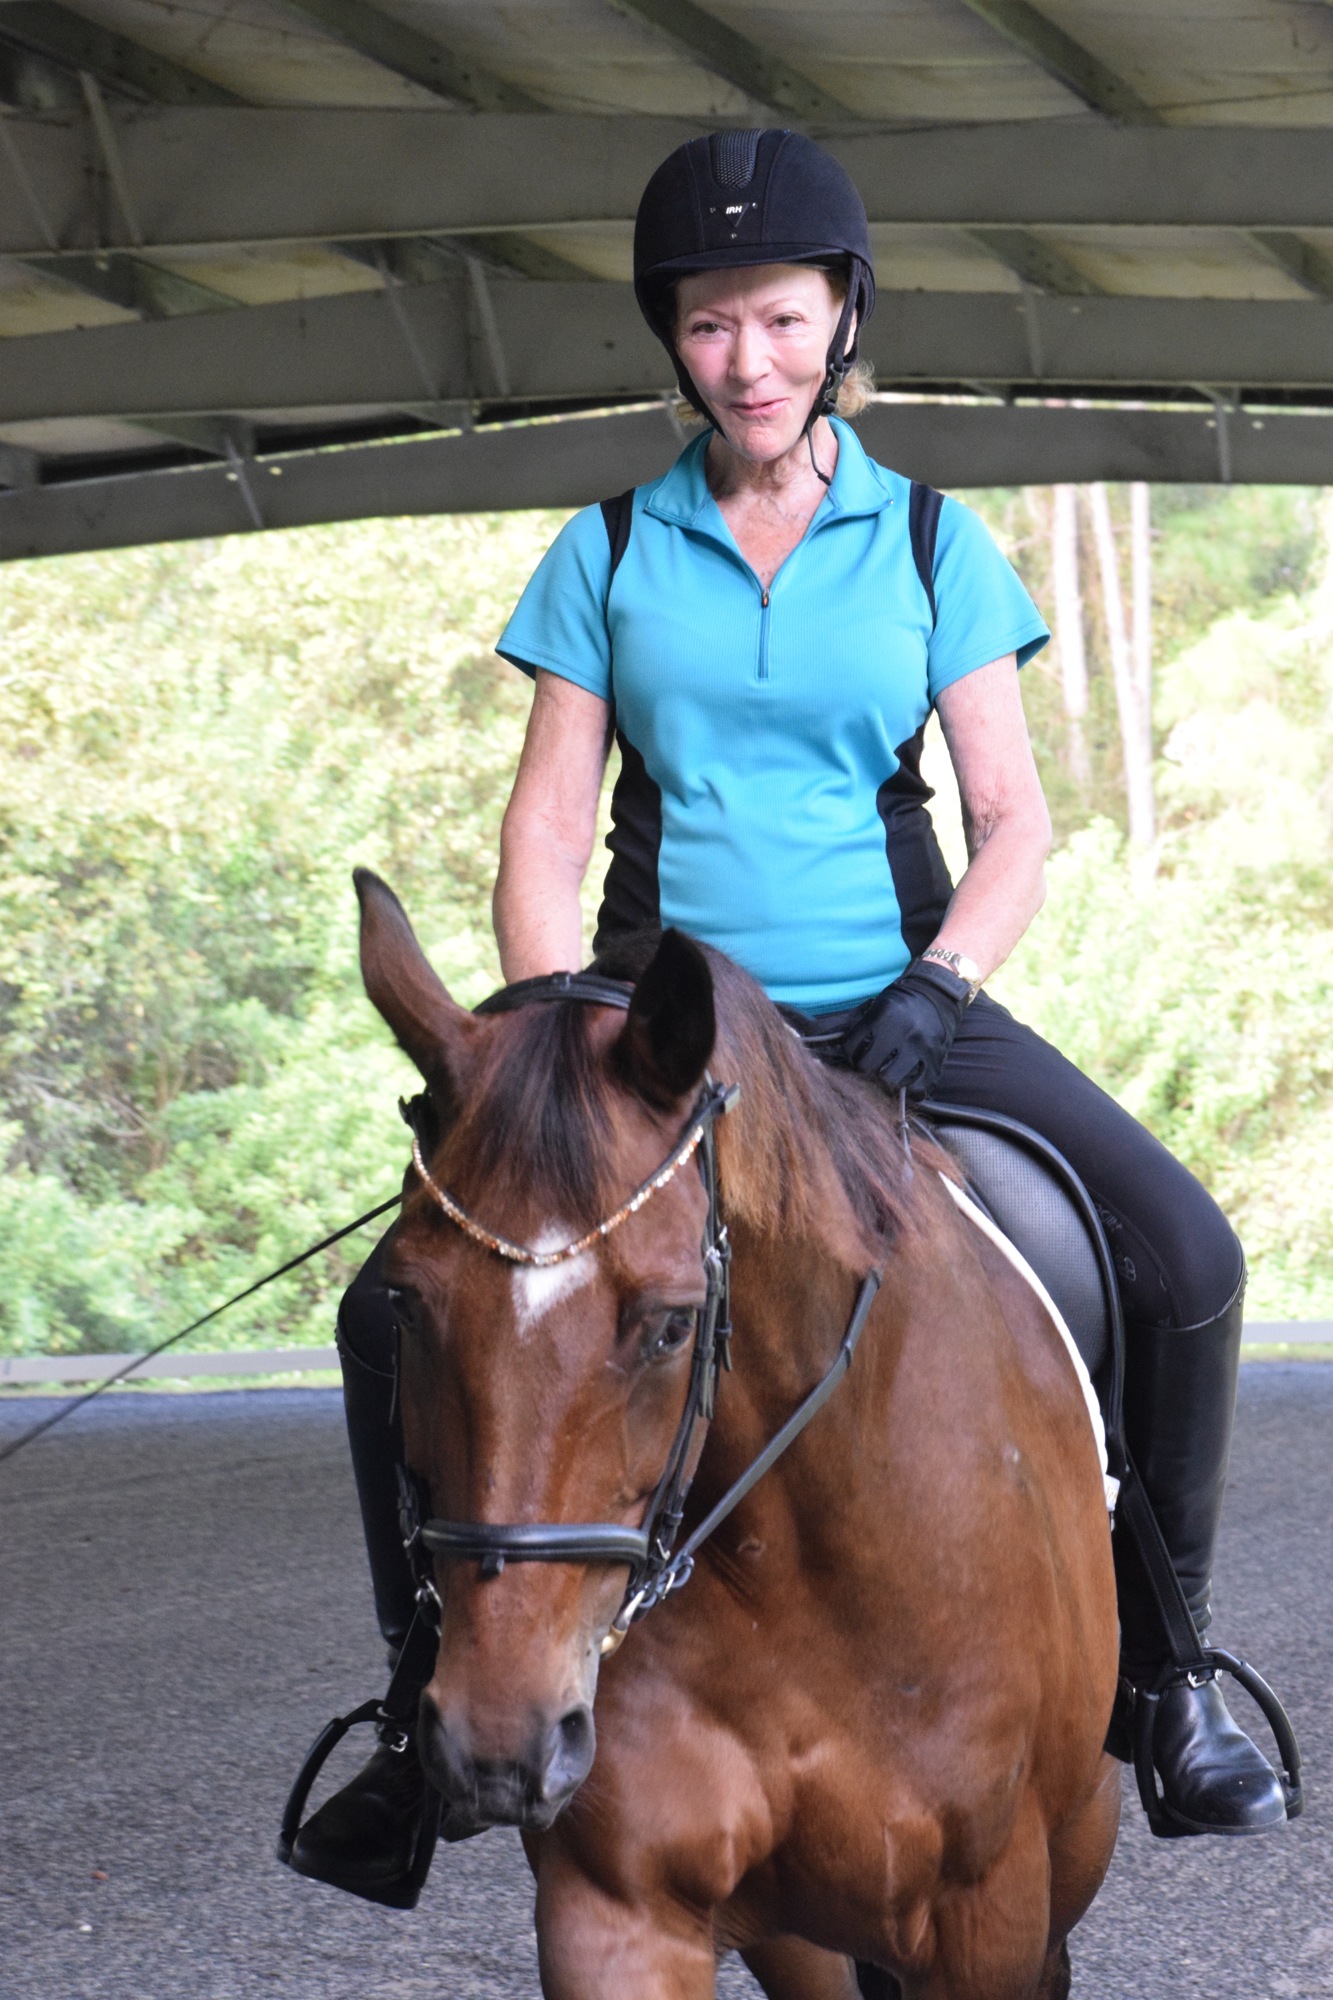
<point x="1022" y="1194"/>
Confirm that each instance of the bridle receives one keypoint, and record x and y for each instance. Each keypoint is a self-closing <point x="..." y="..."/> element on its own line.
<point x="656" y="1566"/>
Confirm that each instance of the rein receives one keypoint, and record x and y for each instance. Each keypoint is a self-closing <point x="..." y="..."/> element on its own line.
<point x="656" y="1566"/>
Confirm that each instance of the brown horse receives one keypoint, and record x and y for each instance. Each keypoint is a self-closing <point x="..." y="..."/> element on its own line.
<point x="870" y="1728"/>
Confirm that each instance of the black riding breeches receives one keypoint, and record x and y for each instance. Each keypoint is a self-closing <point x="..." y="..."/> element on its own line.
<point x="1176" y="1256"/>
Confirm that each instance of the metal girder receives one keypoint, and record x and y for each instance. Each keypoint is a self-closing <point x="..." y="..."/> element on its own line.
<point x="219" y="437"/>
<point x="133" y="282"/>
<point x="764" y="78"/>
<point x="322" y="176"/>
<point x="1035" y="262"/>
<point x="30" y="82"/>
<point x="395" y="46"/>
<point x="1299" y="259"/>
<point x="430" y="342"/>
<point x="75" y="43"/>
<point x="19" y="468"/>
<point x="1066" y="60"/>
<point x="574" y="463"/>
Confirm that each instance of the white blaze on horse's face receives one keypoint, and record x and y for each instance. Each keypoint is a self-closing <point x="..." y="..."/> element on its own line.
<point x="538" y="1287"/>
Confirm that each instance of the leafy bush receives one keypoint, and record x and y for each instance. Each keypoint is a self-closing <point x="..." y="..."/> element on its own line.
<point x="197" y="743"/>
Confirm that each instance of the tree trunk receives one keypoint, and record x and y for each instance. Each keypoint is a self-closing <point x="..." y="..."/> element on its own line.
<point x="1134" y="737"/>
<point x="1140" y="544"/>
<point x="1069" y="627"/>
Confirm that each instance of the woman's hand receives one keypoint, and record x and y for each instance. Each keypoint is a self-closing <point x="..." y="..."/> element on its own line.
<point x="904" y="1034"/>
<point x="549" y="827"/>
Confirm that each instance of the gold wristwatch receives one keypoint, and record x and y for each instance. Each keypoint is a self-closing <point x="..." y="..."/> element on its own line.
<point x="966" y="969"/>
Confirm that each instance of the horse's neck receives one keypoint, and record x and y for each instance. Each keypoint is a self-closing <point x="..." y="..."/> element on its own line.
<point x="792" y="1301"/>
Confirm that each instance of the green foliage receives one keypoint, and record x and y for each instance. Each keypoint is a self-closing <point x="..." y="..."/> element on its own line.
<point x="1200" y="991"/>
<point x="1216" y="549"/>
<point x="198" y="743"/>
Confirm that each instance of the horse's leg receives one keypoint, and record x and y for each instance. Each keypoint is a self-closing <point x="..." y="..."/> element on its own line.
<point x="593" y="1946"/>
<point x="1080" y="1856"/>
<point x="993" y="1939"/>
<point x="1055" y="1974"/>
<point x="790" y="1969"/>
<point x="1081" y="1852"/>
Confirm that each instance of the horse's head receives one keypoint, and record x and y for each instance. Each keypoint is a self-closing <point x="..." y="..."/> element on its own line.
<point x="538" y="1394"/>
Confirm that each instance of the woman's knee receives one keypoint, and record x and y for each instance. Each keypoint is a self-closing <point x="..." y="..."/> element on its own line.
<point x="366" y="1327"/>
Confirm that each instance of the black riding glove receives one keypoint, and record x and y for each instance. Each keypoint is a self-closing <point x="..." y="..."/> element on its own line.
<point x="904" y="1034"/>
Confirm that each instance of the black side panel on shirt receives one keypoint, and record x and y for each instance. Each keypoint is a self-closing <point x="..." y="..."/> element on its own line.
<point x="920" y="879"/>
<point x="923" y="525"/>
<point x="618" y="513"/>
<point x="631" y="898"/>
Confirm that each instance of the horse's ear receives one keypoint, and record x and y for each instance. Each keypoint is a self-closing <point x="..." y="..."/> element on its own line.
<point x="669" y="1032"/>
<point x="431" y="1027"/>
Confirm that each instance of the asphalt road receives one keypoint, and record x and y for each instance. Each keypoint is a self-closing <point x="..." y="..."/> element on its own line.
<point x="183" y="1601"/>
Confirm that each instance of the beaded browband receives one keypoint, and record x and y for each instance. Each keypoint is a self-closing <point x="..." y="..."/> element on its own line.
<point x="593" y="989"/>
<point x="517" y="1253"/>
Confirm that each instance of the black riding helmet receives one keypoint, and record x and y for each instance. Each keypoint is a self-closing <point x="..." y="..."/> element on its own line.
<point x="770" y="197"/>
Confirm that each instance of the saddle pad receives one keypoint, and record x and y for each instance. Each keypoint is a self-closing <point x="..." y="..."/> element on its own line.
<point x="1110" y="1486"/>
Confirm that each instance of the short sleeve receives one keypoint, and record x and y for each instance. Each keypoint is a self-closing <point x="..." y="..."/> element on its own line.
<point x="982" y="610"/>
<point x="560" y="620"/>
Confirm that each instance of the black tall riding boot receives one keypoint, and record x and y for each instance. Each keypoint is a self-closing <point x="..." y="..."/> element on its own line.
<point x="368" y="1838"/>
<point x="1180" y="1395"/>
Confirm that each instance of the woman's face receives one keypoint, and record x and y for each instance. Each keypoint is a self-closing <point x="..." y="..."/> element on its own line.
<point x="756" y="342"/>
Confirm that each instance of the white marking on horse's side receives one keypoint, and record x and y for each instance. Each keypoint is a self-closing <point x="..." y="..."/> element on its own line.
<point x="1025" y="1270"/>
<point x="538" y="1287"/>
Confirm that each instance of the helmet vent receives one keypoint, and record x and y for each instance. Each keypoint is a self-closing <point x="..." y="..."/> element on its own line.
<point x="732" y="157"/>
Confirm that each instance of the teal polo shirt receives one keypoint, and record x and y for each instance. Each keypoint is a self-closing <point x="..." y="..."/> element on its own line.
<point x="770" y="800"/>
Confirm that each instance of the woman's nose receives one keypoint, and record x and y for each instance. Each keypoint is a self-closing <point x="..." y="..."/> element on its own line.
<point x="749" y="355"/>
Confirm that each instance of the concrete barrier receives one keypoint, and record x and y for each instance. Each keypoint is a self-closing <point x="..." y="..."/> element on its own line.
<point x="22" y="1370"/>
<point x="19" y="1369"/>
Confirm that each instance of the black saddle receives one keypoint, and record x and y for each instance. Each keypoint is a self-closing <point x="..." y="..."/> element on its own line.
<point x="1033" y="1195"/>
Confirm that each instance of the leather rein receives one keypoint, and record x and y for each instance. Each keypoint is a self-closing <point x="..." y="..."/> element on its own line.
<point x="656" y="1565"/>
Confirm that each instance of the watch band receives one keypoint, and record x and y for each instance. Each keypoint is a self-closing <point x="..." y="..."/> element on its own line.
<point x="965" y="969"/>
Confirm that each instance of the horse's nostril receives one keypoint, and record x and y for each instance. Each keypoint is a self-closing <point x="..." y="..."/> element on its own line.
<point x="570" y="1746"/>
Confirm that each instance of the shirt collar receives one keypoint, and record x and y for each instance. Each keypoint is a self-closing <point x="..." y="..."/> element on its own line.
<point x="859" y="486"/>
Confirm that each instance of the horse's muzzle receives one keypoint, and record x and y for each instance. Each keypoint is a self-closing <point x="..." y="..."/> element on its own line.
<point x="525" y="1791"/>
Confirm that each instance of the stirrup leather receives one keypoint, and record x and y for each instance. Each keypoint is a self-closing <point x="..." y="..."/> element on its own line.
<point x="393" y="1718"/>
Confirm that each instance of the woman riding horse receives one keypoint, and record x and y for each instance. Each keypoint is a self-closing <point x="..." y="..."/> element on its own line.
<point x="756" y="630"/>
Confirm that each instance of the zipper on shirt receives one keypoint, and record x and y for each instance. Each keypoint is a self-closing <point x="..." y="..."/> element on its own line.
<point x="763" y="634"/>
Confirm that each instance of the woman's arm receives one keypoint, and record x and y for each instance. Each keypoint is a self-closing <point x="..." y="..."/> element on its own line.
<point x="1005" y="819"/>
<point x="550" y="824"/>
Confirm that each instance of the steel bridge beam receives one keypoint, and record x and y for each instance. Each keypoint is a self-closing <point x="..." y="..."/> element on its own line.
<point x="424" y="61"/>
<point x="69" y="40"/>
<point x="537" y="343"/>
<point x="765" y="78"/>
<point x="573" y="463"/>
<point x="324" y="176"/>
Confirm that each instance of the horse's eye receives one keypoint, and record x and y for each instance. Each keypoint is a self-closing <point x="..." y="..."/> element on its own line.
<point x="667" y="1333"/>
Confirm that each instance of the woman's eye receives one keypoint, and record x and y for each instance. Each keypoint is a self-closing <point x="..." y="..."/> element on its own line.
<point x="669" y="1333"/>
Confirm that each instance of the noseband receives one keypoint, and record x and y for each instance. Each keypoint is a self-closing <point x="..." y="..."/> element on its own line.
<point x="656" y="1566"/>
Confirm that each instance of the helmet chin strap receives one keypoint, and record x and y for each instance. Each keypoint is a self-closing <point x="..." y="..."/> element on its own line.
<point x="826" y="402"/>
